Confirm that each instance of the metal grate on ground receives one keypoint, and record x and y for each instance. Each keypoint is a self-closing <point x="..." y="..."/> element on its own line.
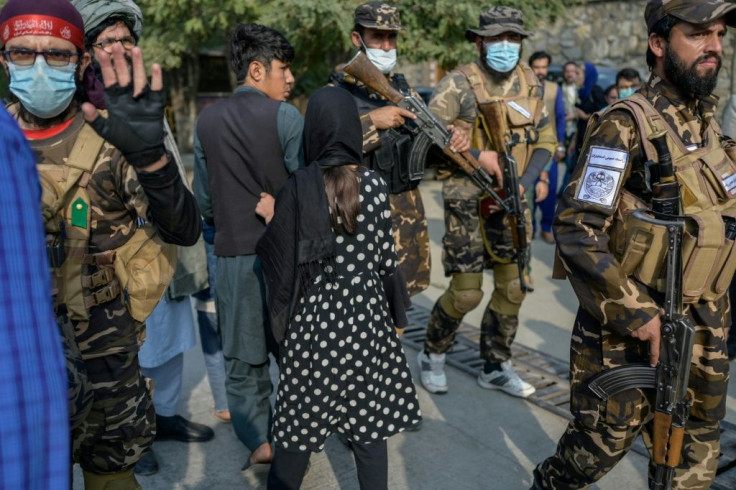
<point x="550" y="376"/>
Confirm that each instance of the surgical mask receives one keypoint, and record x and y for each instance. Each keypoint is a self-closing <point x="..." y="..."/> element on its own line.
<point x="626" y="92"/>
<point x="502" y="56"/>
<point x="383" y="60"/>
<point x="45" y="91"/>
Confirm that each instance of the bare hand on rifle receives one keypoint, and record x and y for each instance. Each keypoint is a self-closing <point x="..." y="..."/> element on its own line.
<point x="651" y="332"/>
<point x="390" y="116"/>
<point x="459" y="141"/>
<point x="488" y="160"/>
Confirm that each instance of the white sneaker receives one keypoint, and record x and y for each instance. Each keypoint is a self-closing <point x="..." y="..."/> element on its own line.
<point x="433" y="376"/>
<point x="506" y="380"/>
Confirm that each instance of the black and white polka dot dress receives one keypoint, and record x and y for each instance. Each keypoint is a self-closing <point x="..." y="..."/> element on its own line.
<point x="342" y="366"/>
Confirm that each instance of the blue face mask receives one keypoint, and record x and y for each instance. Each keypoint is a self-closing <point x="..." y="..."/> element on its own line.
<point x="626" y="92"/>
<point x="502" y="56"/>
<point x="44" y="91"/>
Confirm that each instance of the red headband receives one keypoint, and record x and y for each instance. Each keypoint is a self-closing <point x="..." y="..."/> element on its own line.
<point x="41" y="25"/>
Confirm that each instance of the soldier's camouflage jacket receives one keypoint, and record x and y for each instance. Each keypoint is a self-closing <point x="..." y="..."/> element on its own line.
<point x="612" y="305"/>
<point x="407" y="208"/>
<point x="117" y="202"/>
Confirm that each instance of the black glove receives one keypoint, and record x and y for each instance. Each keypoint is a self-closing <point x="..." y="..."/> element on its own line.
<point x="135" y="125"/>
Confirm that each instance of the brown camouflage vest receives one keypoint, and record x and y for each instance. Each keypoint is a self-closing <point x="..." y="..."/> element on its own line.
<point x="524" y="111"/>
<point x="139" y="270"/>
<point x="707" y="178"/>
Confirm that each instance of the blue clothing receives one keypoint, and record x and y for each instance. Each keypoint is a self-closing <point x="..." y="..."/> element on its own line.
<point x="289" y="125"/>
<point x="34" y="431"/>
<point x="208" y="331"/>
<point x="548" y="205"/>
<point x="173" y="332"/>
<point x="560" y="117"/>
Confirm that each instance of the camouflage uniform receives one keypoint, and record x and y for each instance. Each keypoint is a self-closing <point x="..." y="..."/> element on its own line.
<point x="467" y="250"/>
<point x="110" y="436"/>
<point x="411" y="235"/>
<point x="612" y="305"/>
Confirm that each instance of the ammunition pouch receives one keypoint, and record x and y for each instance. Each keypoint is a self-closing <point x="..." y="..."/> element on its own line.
<point x="708" y="256"/>
<point x="144" y="266"/>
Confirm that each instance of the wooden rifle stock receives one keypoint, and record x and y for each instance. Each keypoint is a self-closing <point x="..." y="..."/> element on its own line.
<point x="362" y="69"/>
<point x="661" y="436"/>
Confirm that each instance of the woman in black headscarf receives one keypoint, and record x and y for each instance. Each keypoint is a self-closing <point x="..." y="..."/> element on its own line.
<point x="334" y="297"/>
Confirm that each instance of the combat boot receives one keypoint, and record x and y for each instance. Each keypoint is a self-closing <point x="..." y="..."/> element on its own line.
<point x="125" y="480"/>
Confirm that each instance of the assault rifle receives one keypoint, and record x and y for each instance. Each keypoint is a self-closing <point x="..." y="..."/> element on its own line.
<point x="425" y="124"/>
<point x="502" y="142"/>
<point x="670" y="378"/>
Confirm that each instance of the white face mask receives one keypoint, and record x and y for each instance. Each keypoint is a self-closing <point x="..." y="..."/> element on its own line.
<point x="383" y="60"/>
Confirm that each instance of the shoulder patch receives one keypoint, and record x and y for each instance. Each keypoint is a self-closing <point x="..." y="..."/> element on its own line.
<point x="602" y="176"/>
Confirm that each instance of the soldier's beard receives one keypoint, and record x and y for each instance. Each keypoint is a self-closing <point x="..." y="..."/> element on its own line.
<point x="686" y="78"/>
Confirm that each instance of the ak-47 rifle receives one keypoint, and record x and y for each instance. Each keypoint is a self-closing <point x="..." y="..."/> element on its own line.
<point x="502" y="142"/>
<point x="426" y="123"/>
<point x="670" y="377"/>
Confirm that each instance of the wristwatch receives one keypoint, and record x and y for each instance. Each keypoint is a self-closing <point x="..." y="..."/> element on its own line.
<point x="560" y="148"/>
<point x="545" y="180"/>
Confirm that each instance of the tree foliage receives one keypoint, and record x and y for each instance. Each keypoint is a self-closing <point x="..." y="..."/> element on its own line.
<point x="435" y="29"/>
<point x="175" y="29"/>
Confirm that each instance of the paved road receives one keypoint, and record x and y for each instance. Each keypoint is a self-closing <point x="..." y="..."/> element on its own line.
<point x="471" y="438"/>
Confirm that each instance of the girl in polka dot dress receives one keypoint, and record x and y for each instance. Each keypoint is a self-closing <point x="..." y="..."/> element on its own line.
<point x="342" y="366"/>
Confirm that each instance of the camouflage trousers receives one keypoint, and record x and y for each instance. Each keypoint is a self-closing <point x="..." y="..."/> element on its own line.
<point x="586" y="453"/>
<point x="121" y="423"/>
<point x="497" y="332"/>
<point x="467" y="251"/>
<point x="467" y="246"/>
<point x="412" y="239"/>
<point x="78" y="389"/>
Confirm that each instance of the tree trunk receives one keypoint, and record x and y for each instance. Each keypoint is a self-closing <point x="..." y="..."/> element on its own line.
<point x="183" y="84"/>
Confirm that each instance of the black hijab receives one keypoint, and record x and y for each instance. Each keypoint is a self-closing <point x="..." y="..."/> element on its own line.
<point x="332" y="131"/>
<point x="298" y="244"/>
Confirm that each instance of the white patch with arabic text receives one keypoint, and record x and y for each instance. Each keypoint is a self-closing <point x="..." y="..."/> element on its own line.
<point x="606" y="157"/>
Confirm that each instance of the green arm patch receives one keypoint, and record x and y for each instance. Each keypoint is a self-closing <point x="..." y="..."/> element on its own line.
<point x="79" y="213"/>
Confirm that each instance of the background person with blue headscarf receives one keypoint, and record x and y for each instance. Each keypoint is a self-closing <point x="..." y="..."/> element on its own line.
<point x="591" y="99"/>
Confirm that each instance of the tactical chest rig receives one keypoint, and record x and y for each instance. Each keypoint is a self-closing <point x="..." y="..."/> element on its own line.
<point x="707" y="179"/>
<point x="523" y="112"/>
<point x="139" y="270"/>
<point x="401" y="157"/>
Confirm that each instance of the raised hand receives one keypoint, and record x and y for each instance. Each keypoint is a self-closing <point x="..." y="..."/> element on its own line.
<point x="135" y="121"/>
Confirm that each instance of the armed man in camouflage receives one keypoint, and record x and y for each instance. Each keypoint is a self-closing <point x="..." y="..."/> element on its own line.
<point x="97" y="195"/>
<point x="496" y="75"/>
<point x="619" y="318"/>
<point x="387" y="143"/>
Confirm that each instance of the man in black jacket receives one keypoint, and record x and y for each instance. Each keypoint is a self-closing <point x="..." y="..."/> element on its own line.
<point x="245" y="147"/>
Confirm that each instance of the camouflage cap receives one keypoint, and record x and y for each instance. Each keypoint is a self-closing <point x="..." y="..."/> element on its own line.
<point x="378" y="15"/>
<point x="692" y="11"/>
<point x="497" y="20"/>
